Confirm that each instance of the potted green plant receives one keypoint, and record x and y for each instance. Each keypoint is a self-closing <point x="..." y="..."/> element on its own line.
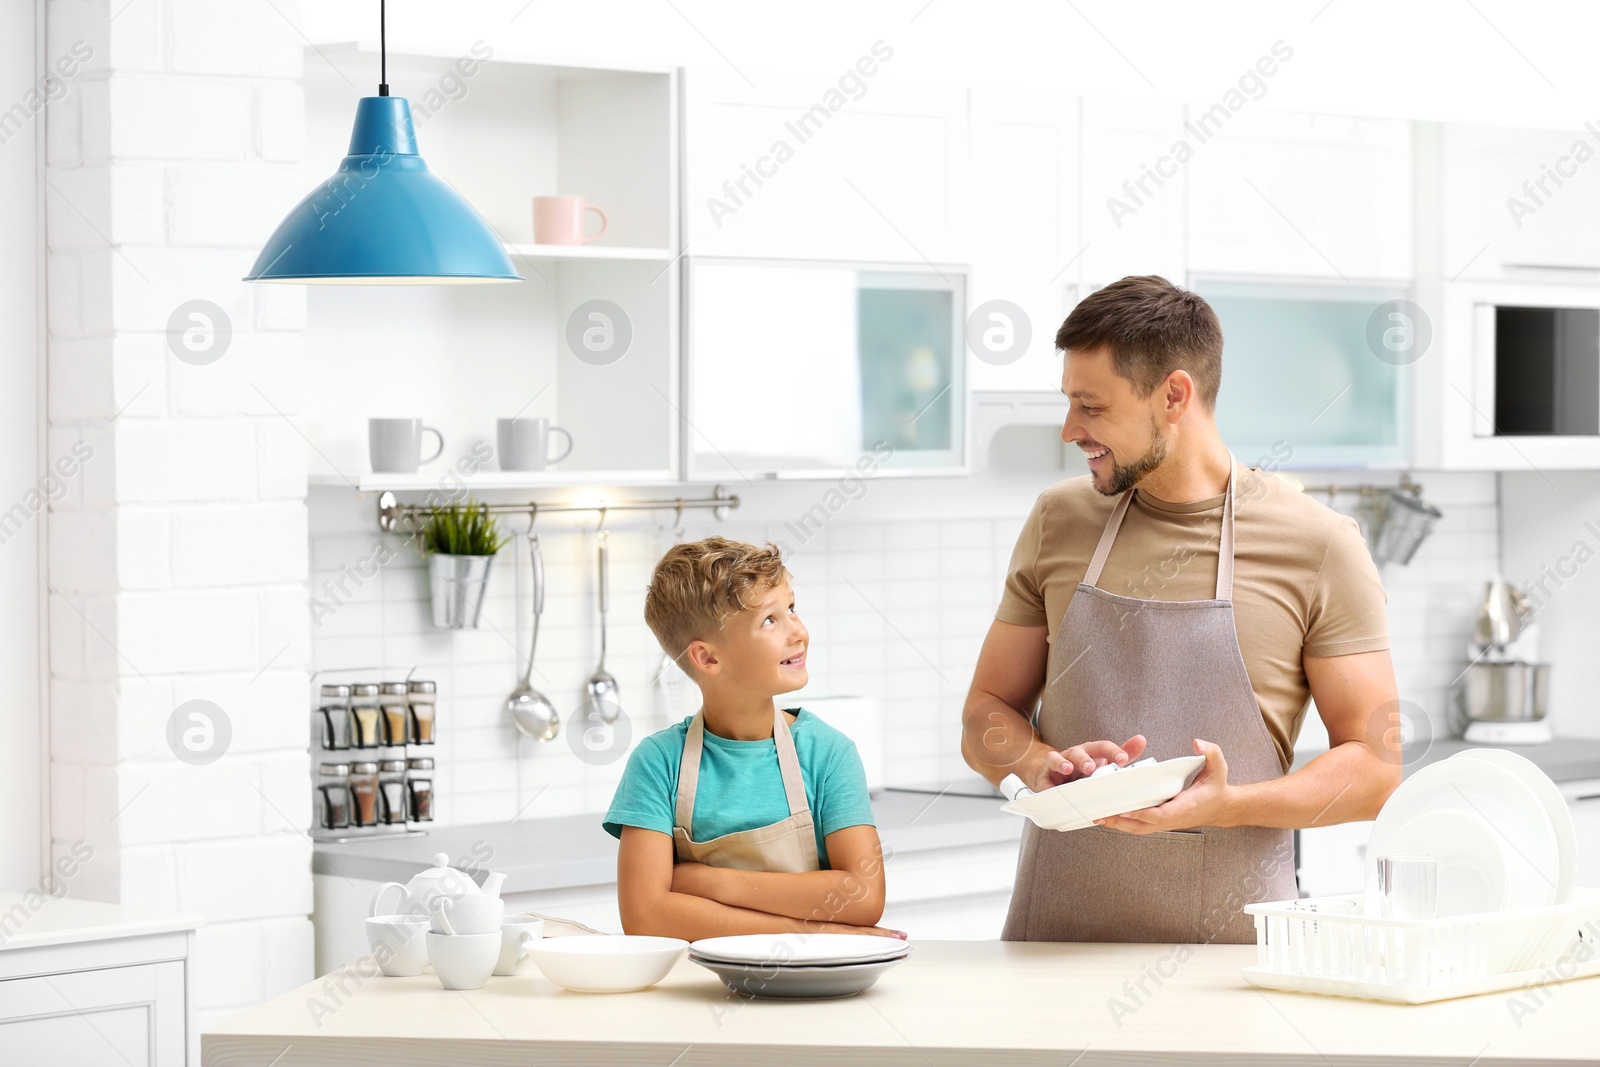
<point x="460" y="540"/>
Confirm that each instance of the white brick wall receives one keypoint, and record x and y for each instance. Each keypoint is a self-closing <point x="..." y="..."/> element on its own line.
<point x="178" y="554"/>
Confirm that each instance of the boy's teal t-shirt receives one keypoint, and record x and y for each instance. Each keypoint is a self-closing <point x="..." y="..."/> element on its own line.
<point x="741" y="787"/>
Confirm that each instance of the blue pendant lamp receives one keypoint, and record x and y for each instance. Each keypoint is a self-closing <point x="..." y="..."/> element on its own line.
<point x="383" y="219"/>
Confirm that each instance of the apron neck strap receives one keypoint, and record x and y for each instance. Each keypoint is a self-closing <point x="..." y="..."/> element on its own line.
<point x="1225" y="542"/>
<point x="1102" y="551"/>
<point x="794" y="786"/>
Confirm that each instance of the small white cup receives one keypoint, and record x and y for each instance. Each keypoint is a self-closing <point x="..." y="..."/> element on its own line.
<point x="395" y="445"/>
<point x="463" y="961"/>
<point x="470" y="914"/>
<point x="397" y="944"/>
<point x="523" y="444"/>
<point x="515" y="933"/>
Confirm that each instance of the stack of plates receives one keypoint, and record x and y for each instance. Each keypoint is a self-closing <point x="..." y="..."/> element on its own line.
<point x="796" y="966"/>
<point x="1496" y="823"/>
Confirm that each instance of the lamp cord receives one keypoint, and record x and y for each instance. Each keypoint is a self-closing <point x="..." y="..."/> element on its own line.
<point x="383" y="49"/>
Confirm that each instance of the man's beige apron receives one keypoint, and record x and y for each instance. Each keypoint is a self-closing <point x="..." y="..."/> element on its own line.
<point x="788" y="845"/>
<point x="1173" y="672"/>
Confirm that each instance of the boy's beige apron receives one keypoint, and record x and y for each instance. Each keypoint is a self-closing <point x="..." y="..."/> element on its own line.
<point x="1171" y="670"/>
<point x="788" y="845"/>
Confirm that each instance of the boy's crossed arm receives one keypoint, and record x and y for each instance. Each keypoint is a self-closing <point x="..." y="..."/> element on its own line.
<point x="695" y="900"/>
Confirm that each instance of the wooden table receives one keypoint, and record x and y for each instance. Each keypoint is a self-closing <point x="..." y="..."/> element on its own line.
<point x="952" y="1002"/>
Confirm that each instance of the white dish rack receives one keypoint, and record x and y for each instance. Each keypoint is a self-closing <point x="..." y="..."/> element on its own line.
<point x="1327" y="945"/>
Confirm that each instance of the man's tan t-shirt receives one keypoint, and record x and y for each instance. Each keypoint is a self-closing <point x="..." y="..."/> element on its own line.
<point x="1304" y="583"/>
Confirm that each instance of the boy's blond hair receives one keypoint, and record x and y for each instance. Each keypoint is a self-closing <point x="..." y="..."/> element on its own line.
<point x="699" y="585"/>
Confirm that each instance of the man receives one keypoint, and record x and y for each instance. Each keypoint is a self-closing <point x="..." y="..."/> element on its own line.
<point x="1190" y="605"/>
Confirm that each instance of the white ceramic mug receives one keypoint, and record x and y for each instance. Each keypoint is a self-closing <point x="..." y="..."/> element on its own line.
<point x="559" y="220"/>
<point x="395" y="445"/>
<point x="397" y="944"/>
<point x="463" y="961"/>
<point x="524" y="444"/>
<point x="515" y="933"/>
<point x="470" y="914"/>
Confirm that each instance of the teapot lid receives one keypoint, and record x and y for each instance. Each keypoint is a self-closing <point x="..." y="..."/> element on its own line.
<point x="442" y="877"/>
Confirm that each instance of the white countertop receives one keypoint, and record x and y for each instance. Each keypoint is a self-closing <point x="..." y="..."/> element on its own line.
<point x="952" y="1002"/>
<point x="34" y="920"/>
<point x="574" y="850"/>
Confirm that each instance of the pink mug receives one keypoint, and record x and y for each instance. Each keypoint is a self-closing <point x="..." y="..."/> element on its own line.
<point x="559" y="220"/>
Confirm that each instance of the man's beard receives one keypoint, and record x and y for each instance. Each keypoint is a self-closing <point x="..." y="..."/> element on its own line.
<point x="1125" y="475"/>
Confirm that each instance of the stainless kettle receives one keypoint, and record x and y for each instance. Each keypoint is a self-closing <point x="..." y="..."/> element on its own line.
<point x="1501" y="614"/>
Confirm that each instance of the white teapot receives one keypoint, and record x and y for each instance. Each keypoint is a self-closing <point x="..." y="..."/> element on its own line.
<point x="420" y="897"/>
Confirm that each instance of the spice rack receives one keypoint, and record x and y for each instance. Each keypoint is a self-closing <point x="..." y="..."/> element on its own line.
<point x="371" y="750"/>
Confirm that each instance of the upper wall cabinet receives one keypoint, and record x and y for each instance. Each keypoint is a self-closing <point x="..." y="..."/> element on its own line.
<point x="1023" y="239"/>
<point x="867" y="377"/>
<point x="1518" y="204"/>
<point x="1289" y="194"/>
<point x="1134" y="190"/>
<point x="845" y="169"/>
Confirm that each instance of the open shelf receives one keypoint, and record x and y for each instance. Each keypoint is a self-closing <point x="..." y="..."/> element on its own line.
<point x="594" y="251"/>
<point x="484" y="481"/>
<point x="504" y="130"/>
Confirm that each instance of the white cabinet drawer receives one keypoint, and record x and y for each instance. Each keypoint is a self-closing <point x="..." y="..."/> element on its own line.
<point x="115" y="1016"/>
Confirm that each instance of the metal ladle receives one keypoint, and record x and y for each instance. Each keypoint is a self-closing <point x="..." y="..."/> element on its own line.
<point x="530" y="709"/>
<point x="602" y="688"/>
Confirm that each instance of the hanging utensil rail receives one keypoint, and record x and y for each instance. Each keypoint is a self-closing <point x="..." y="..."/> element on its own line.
<point x="392" y="514"/>
<point x="1331" y="491"/>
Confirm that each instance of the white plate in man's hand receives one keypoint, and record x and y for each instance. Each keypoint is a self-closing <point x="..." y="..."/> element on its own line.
<point x="1077" y="804"/>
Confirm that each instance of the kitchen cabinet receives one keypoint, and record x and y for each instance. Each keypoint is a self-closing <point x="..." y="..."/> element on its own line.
<point x="1291" y="194"/>
<point x="589" y="338"/>
<point x="873" y="370"/>
<point x="1509" y="220"/>
<point x="1023" y="236"/>
<point x="1134" y="193"/>
<point x="841" y="168"/>
<point x="91" y="983"/>
<point x="1304" y="386"/>
<point x="1516" y="204"/>
<point x="111" y="1015"/>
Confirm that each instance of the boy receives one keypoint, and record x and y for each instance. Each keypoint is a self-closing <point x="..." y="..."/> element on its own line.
<point x="742" y="818"/>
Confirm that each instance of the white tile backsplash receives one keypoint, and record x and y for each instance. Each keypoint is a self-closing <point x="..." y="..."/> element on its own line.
<point x="897" y="609"/>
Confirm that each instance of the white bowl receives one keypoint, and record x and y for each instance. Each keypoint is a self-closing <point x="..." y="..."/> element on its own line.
<point x="615" y="963"/>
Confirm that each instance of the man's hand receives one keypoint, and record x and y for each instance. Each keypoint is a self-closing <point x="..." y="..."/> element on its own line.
<point x="1080" y="761"/>
<point x="1209" y="801"/>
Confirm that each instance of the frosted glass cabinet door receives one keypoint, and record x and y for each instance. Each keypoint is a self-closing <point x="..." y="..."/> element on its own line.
<point x="1303" y="383"/>
<point x="808" y="369"/>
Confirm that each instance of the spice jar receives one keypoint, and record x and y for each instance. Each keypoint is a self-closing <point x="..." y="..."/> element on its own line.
<point x="332" y="717"/>
<point x="363" y="794"/>
<point x="419" y="782"/>
<point x="392" y="703"/>
<point x="333" y="783"/>
<point x="365" y="730"/>
<point x="423" y="696"/>
<point x="392" y="791"/>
